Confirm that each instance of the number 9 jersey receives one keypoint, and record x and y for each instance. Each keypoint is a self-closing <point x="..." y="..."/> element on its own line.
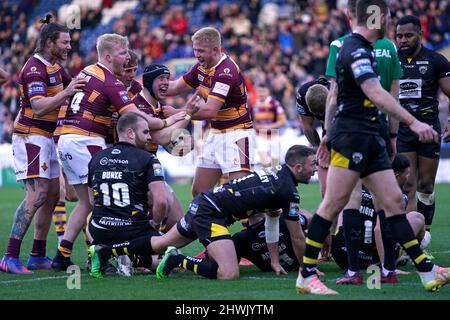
<point x="119" y="177"/>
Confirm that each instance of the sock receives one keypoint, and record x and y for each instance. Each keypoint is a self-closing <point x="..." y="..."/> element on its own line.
<point x="403" y="234"/>
<point x="60" y="219"/>
<point x="13" y="249"/>
<point x="139" y="246"/>
<point x="65" y="248"/>
<point x="38" y="248"/>
<point x="427" y="210"/>
<point x="86" y="239"/>
<point x="204" y="267"/>
<point x="352" y="235"/>
<point x="388" y="243"/>
<point x="142" y="261"/>
<point x="317" y="232"/>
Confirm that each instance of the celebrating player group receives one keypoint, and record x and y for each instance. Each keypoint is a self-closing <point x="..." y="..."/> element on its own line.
<point x="94" y="139"/>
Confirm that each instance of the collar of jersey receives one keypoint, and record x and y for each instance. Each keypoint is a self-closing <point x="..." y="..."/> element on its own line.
<point x="285" y="167"/>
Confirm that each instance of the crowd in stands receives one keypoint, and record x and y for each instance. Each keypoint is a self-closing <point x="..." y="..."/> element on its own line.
<point x="283" y="43"/>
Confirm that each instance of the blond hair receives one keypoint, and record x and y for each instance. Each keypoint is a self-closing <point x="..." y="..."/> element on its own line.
<point x="316" y="98"/>
<point x="107" y="41"/>
<point x="208" y="35"/>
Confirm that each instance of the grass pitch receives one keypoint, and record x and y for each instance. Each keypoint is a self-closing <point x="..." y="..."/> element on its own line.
<point x="253" y="285"/>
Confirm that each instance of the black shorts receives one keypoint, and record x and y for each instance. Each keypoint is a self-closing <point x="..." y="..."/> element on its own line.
<point x="339" y="253"/>
<point x="363" y="153"/>
<point x="116" y="236"/>
<point x="407" y="141"/>
<point x="204" y="222"/>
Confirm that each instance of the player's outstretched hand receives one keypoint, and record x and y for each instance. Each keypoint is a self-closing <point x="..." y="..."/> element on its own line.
<point x="76" y="85"/>
<point x="169" y="111"/>
<point x="277" y="268"/>
<point x="176" y="117"/>
<point x="425" y="132"/>
<point x="323" y="154"/>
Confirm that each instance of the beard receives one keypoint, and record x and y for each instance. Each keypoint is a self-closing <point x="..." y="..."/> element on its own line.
<point x="117" y="68"/>
<point x="411" y="50"/>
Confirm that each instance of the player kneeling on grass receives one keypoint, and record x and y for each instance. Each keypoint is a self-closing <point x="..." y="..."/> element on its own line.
<point x="122" y="177"/>
<point x="269" y="190"/>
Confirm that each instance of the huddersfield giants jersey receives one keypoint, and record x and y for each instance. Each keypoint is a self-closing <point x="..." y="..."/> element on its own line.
<point x="354" y="65"/>
<point x="119" y="177"/>
<point x="267" y="112"/>
<point x="134" y="89"/>
<point x="264" y="190"/>
<point x="39" y="79"/>
<point x="156" y="112"/>
<point x="420" y="83"/>
<point x="223" y="82"/>
<point x="90" y="111"/>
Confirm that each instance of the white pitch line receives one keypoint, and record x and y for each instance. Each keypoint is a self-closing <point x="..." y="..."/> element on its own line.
<point x="32" y="280"/>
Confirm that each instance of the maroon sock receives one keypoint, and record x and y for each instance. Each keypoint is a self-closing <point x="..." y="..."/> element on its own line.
<point x="38" y="248"/>
<point x="65" y="247"/>
<point x="13" y="249"/>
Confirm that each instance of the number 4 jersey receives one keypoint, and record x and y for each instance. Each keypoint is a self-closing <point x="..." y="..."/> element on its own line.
<point x="119" y="177"/>
<point x="90" y="111"/>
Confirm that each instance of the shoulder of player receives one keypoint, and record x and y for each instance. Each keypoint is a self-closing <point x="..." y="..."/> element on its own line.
<point x="227" y="69"/>
<point x="33" y="67"/>
<point x="339" y="41"/>
<point x="432" y="55"/>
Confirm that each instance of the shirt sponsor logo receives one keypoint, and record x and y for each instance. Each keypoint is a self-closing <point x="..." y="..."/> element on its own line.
<point x="35" y="88"/>
<point x="52" y="80"/>
<point x="115" y="151"/>
<point x="221" y="88"/>
<point x="361" y="67"/>
<point x="293" y="210"/>
<point x="124" y="96"/>
<point x="105" y="161"/>
<point x="410" y="88"/>
<point x="358" y="53"/>
<point x="200" y="77"/>
<point x="115" y="222"/>
<point x="422" y="62"/>
<point x="226" y="72"/>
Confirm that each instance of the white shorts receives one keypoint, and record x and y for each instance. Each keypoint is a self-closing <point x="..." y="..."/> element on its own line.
<point x="229" y="151"/>
<point x="74" y="153"/>
<point x="34" y="157"/>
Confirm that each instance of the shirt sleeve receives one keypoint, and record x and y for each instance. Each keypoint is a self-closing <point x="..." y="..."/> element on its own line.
<point x="155" y="171"/>
<point x="331" y="64"/>
<point x="360" y="63"/>
<point x="35" y="82"/>
<point x="119" y="97"/>
<point x="191" y="77"/>
<point x="302" y="108"/>
<point x="442" y="66"/>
